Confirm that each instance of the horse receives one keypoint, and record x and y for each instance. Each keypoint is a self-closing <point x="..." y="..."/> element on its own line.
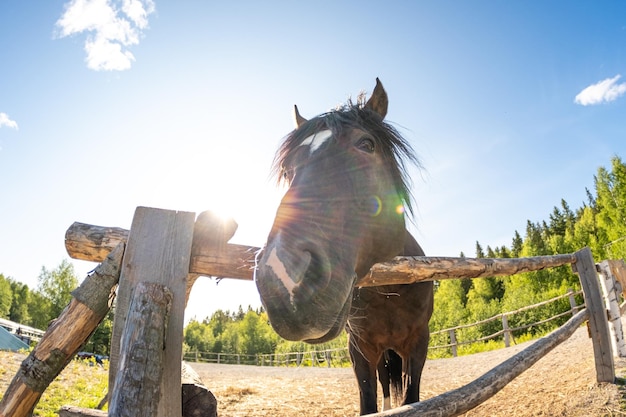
<point x="344" y="211"/>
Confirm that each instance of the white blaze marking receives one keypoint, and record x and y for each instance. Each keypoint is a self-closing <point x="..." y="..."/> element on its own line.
<point x="278" y="267"/>
<point x="317" y="139"/>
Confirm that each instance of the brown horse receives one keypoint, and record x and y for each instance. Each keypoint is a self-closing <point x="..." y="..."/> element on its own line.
<point x="343" y="212"/>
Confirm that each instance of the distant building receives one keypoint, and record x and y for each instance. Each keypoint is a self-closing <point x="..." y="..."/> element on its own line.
<point x="9" y="341"/>
<point x="24" y="333"/>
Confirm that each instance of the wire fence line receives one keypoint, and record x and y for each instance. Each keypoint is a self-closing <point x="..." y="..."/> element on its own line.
<point x="506" y="332"/>
<point x="339" y="357"/>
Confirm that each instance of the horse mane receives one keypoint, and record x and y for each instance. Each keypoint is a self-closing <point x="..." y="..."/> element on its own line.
<point x="395" y="149"/>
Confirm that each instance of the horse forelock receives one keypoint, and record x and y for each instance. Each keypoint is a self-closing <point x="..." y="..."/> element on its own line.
<point x="395" y="149"/>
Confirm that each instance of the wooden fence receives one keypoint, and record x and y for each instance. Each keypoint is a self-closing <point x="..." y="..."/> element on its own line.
<point x="507" y="331"/>
<point x="340" y="356"/>
<point x="325" y="358"/>
<point x="158" y="261"/>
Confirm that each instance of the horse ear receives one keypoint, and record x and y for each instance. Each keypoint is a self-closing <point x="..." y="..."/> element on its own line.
<point x="297" y="118"/>
<point x="379" y="101"/>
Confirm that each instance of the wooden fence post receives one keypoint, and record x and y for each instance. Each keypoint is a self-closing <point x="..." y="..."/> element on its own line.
<point x="598" y="327"/>
<point x="138" y="380"/>
<point x="159" y="251"/>
<point x="506" y="330"/>
<point x="453" y="345"/>
<point x="572" y="302"/>
<point x="609" y="284"/>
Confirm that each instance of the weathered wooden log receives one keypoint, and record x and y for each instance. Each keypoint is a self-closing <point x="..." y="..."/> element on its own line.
<point x="211" y="234"/>
<point x="237" y="261"/>
<point x="461" y="400"/>
<point x="210" y="253"/>
<point x="90" y="303"/>
<point x="585" y="267"/>
<point x="610" y="291"/>
<point x="158" y="250"/>
<point x="618" y="268"/>
<point x="198" y="401"/>
<point x="140" y="366"/>
<point x="406" y="270"/>
<point x="70" y="411"/>
<point x="229" y="261"/>
<point x="93" y="243"/>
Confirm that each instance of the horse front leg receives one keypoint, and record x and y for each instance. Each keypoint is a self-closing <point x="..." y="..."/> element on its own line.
<point x="385" y="380"/>
<point x="415" y="365"/>
<point x="365" y="371"/>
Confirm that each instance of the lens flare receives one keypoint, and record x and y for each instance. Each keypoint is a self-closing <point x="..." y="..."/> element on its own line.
<point x="377" y="205"/>
<point x="400" y="209"/>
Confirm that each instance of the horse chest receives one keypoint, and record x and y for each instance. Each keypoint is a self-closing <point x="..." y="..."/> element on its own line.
<point x="380" y="314"/>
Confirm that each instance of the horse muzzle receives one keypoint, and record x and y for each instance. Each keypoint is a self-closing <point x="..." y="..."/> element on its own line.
<point x="306" y="295"/>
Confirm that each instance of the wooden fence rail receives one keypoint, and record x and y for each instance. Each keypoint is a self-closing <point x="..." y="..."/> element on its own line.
<point x="506" y="331"/>
<point x="236" y="261"/>
<point x="460" y="400"/>
<point x="90" y="243"/>
<point x="326" y="357"/>
<point x="170" y="248"/>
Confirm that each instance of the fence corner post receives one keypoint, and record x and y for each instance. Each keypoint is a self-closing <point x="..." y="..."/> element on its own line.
<point x="598" y="326"/>
<point x="610" y="293"/>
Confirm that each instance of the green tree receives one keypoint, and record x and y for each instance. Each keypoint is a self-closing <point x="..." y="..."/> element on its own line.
<point x="611" y="205"/>
<point x="6" y="297"/>
<point x="21" y="300"/>
<point x="199" y="336"/>
<point x="57" y="285"/>
<point x="218" y="322"/>
<point x="586" y="233"/>
<point x="483" y="303"/>
<point x="100" y="340"/>
<point x="449" y="310"/>
<point x="39" y="309"/>
<point x="256" y="334"/>
<point x="516" y="245"/>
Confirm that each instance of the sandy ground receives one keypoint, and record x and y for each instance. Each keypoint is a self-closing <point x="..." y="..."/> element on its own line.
<point x="560" y="384"/>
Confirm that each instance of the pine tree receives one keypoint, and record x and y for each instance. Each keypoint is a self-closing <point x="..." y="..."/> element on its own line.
<point x="517" y="245"/>
<point x="611" y="207"/>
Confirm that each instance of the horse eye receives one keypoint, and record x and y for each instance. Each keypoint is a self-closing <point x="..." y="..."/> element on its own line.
<point x="366" y="145"/>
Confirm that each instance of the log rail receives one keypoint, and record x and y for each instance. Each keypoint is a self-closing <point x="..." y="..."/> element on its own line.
<point x="211" y="255"/>
<point x="208" y="258"/>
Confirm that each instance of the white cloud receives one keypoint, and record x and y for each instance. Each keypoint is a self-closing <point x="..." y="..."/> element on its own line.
<point x="111" y="29"/>
<point x="5" y="120"/>
<point x="603" y="91"/>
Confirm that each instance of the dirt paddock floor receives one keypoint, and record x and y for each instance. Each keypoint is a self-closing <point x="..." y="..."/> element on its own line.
<point x="560" y="384"/>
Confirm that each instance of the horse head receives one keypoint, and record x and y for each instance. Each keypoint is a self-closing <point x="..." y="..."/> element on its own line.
<point x="342" y="213"/>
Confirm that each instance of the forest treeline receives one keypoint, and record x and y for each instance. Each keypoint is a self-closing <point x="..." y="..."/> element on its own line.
<point x="37" y="307"/>
<point x="599" y="223"/>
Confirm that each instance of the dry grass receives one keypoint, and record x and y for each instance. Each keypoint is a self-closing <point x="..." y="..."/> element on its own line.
<point x="81" y="384"/>
<point x="561" y="384"/>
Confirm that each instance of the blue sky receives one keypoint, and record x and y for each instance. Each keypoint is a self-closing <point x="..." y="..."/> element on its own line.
<point x="109" y="105"/>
